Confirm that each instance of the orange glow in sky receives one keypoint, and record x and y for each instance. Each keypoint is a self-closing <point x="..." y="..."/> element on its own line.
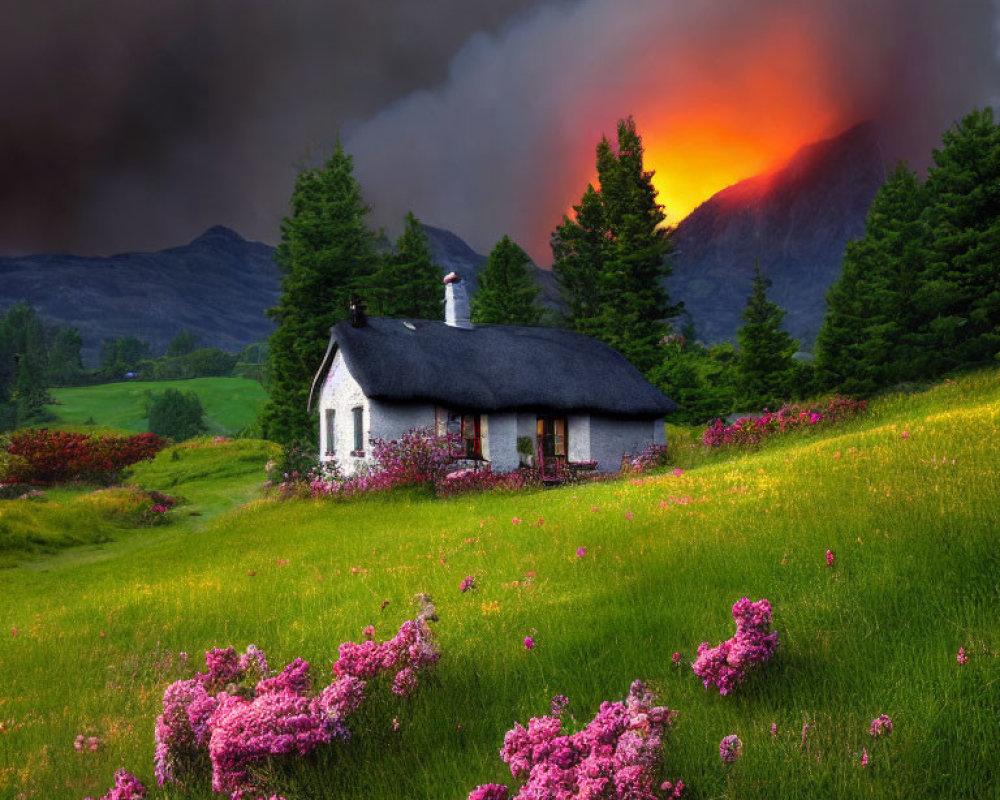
<point x="714" y="120"/>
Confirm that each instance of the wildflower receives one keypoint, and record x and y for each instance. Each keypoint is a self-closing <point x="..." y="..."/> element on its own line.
<point x="79" y="743"/>
<point x="628" y="515"/>
<point x="13" y="631"/>
<point x="904" y="435"/>
<point x="729" y="748"/>
<point x="805" y="730"/>
<point x="558" y="704"/>
<point x="594" y="509"/>
<point x="282" y="562"/>
<point x="541" y="521"/>
<point x="369" y="632"/>
<point x="468" y="582"/>
<point x="774" y="729"/>
<point x="581" y="552"/>
<point x="864" y="756"/>
<point x="829" y="558"/>
<point x="251" y="573"/>
<point x="676" y="658"/>
<point x="837" y="454"/>
<point x="677" y="472"/>
<point x="515" y="521"/>
<point x="529" y="643"/>
<point x="93" y="744"/>
<point x="962" y="657"/>
<point x="881" y="726"/>
<point x="395" y="724"/>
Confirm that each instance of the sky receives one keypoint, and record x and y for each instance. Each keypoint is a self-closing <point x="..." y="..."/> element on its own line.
<point x="136" y="126"/>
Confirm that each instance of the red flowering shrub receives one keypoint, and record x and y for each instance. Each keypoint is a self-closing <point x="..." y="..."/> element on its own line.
<point x="751" y="431"/>
<point x="43" y="457"/>
<point x="484" y="480"/>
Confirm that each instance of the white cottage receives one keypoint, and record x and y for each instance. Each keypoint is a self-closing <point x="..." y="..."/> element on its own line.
<point x="572" y="399"/>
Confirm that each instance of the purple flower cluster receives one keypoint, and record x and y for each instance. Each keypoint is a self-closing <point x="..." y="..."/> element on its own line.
<point x="127" y="787"/>
<point x="468" y="582"/>
<point x="730" y="748"/>
<point x="235" y="713"/>
<point x="751" y="431"/>
<point x="615" y="756"/>
<point x="725" y="665"/>
<point x="881" y="726"/>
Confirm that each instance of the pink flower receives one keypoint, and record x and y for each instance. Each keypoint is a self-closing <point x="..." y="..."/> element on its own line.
<point x="677" y="472"/>
<point x="676" y="658"/>
<point x="837" y="454"/>
<point x="13" y="631"/>
<point x="904" y="435"/>
<point x="864" y="756"/>
<point x="468" y="582"/>
<point x="881" y="726"/>
<point x="729" y="748"/>
<point x="594" y="509"/>
<point x="774" y="729"/>
<point x="581" y="552"/>
<point x="529" y="643"/>
<point x="515" y="521"/>
<point x="829" y="558"/>
<point x="962" y="657"/>
<point x="395" y="724"/>
<point x="489" y="791"/>
<point x="369" y="632"/>
<point x="628" y="515"/>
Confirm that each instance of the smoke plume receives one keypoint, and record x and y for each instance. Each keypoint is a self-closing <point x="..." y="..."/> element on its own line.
<point x="720" y="90"/>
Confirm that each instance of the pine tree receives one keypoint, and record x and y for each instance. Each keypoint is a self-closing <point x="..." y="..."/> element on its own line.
<point x="326" y="254"/>
<point x="507" y="292"/>
<point x="408" y="282"/>
<point x="610" y="259"/>
<point x="861" y="345"/>
<point x="766" y="370"/>
<point x="958" y="302"/>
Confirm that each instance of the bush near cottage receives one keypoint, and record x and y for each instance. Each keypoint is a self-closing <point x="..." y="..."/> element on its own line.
<point x="42" y="457"/>
<point x="751" y="431"/>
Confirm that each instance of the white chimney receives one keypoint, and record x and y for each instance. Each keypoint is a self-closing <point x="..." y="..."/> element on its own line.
<point x="456" y="302"/>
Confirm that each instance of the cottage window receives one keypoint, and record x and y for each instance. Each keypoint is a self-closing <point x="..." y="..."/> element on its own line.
<point x="359" y="430"/>
<point x="331" y="431"/>
<point x="472" y="436"/>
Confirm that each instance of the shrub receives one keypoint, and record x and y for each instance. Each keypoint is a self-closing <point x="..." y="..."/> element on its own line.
<point x="485" y="480"/>
<point x="43" y="457"/>
<point x="650" y="457"/>
<point x="726" y="664"/>
<point x="176" y="415"/>
<point x="617" y="754"/>
<point x="236" y="715"/>
<point x="751" y="431"/>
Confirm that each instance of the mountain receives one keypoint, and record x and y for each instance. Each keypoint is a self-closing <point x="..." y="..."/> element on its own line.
<point x="795" y="220"/>
<point x="217" y="286"/>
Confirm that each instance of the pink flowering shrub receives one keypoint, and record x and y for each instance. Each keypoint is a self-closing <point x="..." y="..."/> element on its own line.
<point x="485" y="480"/>
<point x="617" y="755"/>
<point x="725" y="665"/>
<point x="751" y="431"/>
<point x="881" y="726"/>
<point x="127" y="787"/>
<point x="418" y="456"/>
<point x="233" y="716"/>
<point x="650" y="457"/>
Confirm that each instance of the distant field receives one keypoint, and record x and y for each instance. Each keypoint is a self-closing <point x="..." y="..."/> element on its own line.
<point x="231" y="404"/>
<point x="906" y="498"/>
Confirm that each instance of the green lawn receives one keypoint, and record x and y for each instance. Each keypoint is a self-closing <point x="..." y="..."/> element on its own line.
<point x="231" y="404"/>
<point x="913" y="522"/>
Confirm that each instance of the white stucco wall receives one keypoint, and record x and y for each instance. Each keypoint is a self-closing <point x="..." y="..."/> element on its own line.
<point x="610" y="438"/>
<point x="502" y="431"/>
<point x="578" y="433"/>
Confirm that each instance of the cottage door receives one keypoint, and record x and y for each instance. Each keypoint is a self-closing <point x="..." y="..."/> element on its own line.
<point x="552" y="445"/>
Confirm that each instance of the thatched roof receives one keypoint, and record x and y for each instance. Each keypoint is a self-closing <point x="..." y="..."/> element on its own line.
<point x="493" y="368"/>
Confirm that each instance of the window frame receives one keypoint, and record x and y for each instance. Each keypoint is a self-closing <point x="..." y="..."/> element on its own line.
<point x="358" y="413"/>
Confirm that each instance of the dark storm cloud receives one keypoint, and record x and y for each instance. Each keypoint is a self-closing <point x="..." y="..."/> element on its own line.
<point x="137" y="125"/>
<point x="496" y="148"/>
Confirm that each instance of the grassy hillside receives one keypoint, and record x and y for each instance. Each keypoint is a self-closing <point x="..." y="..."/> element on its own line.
<point x="231" y="404"/>
<point x="912" y="519"/>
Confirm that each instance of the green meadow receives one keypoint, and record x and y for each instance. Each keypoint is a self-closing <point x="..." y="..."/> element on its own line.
<point x="907" y="497"/>
<point x="231" y="404"/>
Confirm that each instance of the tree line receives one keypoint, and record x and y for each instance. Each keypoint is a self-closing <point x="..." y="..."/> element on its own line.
<point x="919" y="294"/>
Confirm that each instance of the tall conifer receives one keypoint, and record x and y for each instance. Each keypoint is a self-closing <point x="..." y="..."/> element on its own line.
<point x="326" y="254"/>
<point x="508" y="292"/>
<point x="408" y="282"/>
<point x="765" y="366"/>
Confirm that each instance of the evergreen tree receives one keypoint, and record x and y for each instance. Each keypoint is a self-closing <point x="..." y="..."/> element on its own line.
<point x="766" y="370"/>
<point x="958" y="302"/>
<point x="121" y="356"/>
<point x="610" y="259"/>
<point x="862" y="342"/>
<point x="26" y="362"/>
<point x="326" y="254"/>
<point x="507" y="292"/>
<point x="408" y="282"/>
